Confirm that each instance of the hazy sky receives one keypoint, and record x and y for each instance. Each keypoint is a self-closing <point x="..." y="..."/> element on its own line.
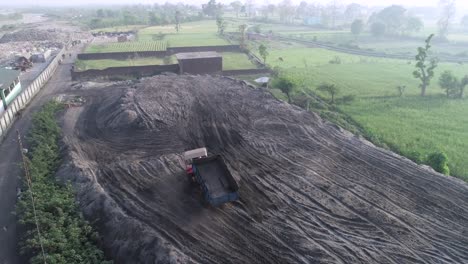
<point x="460" y="3"/>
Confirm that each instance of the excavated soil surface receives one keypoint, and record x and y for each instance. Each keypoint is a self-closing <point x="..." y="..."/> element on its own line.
<point x="310" y="192"/>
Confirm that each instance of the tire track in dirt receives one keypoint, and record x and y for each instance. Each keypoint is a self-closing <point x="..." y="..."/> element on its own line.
<point x="310" y="192"/>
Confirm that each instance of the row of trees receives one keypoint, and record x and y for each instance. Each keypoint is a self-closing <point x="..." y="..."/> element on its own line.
<point x="142" y="15"/>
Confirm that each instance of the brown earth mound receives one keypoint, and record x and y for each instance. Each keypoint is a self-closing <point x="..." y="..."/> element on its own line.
<point x="310" y="192"/>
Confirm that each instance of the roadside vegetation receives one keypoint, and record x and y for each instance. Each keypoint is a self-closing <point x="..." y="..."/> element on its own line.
<point x="64" y="235"/>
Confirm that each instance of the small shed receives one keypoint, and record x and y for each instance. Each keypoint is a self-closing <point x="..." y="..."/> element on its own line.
<point x="200" y="62"/>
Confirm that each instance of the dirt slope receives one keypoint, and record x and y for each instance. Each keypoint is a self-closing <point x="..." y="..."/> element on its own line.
<point x="310" y="192"/>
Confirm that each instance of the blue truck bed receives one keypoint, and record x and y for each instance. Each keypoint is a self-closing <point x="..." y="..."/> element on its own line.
<point x="216" y="181"/>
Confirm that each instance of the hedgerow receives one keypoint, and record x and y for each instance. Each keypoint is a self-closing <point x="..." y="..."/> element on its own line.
<point x="65" y="235"/>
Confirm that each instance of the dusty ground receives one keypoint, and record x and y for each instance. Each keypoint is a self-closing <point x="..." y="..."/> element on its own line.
<point x="310" y="192"/>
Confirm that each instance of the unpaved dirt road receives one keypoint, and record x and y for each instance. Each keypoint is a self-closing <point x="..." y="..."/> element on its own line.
<point x="310" y="192"/>
<point x="11" y="158"/>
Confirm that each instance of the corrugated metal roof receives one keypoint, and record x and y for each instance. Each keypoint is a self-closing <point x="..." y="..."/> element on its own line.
<point x="7" y="77"/>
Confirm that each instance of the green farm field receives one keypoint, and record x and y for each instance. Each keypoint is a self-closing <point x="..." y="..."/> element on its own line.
<point x="231" y="61"/>
<point x="201" y="33"/>
<point x="83" y="65"/>
<point x="410" y="123"/>
<point x="127" y="47"/>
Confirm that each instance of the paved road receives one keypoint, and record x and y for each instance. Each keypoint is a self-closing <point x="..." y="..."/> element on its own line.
<point x="9" y="169"/>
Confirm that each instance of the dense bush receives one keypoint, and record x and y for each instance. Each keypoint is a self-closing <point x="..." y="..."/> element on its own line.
<point x="439" y="162"/>
<point x="66" y="236"/>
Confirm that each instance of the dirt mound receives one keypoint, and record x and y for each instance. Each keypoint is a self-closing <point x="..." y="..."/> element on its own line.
<point x="33" y="35"/>
<point x="310" y="192"/>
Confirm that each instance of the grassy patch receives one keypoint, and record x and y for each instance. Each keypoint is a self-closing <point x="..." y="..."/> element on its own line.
<point x="410" y="124"/>
<point x="82" y="65"/>
<point x="127" y="47"/>
<point x="237" y="61"/>
<point x="66" y="236"/>
<point x="201" y="33"/>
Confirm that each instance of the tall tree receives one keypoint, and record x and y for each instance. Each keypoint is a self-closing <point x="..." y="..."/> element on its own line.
<point x="333" y="8"/>
<point x="286" y="86"/>
<point x="449" y="83"/>
<point x="393" y="17"/>
<point x="353" y="11"/>
<point x="357" y="27"/>
<point x="378" y="29"/>
<point x="263" y="50"/>
<point x="447" y="12"/>
<point x="286" y="11"/>
<point x="464" y="23"/>
<point x="425" y="67"/>
<point x="414" y="24"/>
<point x="463" y="84"/>
<point x="236" y="5"/>
<point x="222" y="24"/>
<point x="211" y="9"/>
<point x="331" y="89"/>
<point x="301" y="10"/>
<point x="242" y="31"/>
<point x="177" y="21"/>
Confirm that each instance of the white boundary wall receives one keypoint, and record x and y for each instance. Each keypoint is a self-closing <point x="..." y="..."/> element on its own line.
<point x="28" y="93"/>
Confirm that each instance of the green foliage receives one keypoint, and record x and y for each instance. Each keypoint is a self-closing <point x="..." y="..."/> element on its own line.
<point x="212" y="9"/>
<point x="439" y="162"/>
<point x="222" y="24"/>
<point x="464" y="23"/>
<point x="286" y="86"/>
<point x="357" y="27"/>
<point x="393" y="17"/>
<point x="257" y="28"/>
<point x="401" y="90"/>
<point x="242" y="40"/>
<point x="414" y="24"/>
<point x="335" y="60"/>
<point x="329" y="88"/>
<point x="424" y="69"/>
<point x="66" y="237"/>
<point x="463" y="84"/>
<point x="263" y="51"/>
<point x="378" y="29"/>
<point x="449" y="83"/>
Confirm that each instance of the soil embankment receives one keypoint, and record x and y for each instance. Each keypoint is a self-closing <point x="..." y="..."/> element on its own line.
<point x="310" y="192"/>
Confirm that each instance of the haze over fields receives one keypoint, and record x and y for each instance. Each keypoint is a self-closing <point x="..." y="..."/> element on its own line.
<point x="460" y="4"/>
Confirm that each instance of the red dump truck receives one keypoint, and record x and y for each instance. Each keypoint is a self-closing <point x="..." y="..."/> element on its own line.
<point x="213" y="176"/>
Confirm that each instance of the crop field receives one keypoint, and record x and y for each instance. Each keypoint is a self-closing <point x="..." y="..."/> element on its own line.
<point x="83" y="65"/>
<point x="411" y="123"/>
<point x="202" y="33"/>
<point x="231" y="61"/>
<point x="127" y="47"/>
<point x="236" y="61"/>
